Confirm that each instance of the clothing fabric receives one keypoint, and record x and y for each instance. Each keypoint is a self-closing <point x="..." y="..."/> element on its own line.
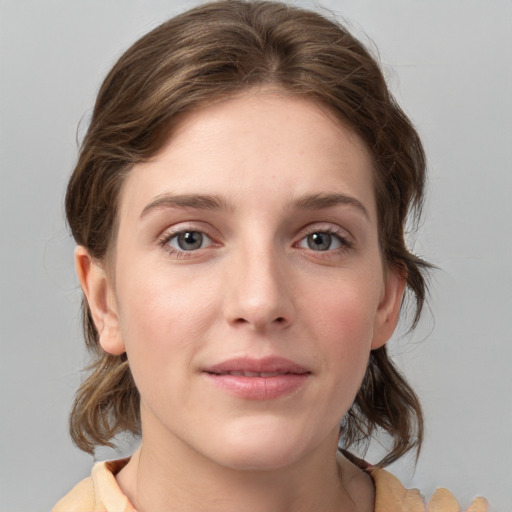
<point x="101" y="493"/>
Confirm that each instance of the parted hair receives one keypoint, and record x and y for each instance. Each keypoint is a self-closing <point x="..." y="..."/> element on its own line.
<point x="212" y="52"/>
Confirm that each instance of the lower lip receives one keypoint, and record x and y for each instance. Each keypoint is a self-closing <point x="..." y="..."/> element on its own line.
<point x="259" y="388"/>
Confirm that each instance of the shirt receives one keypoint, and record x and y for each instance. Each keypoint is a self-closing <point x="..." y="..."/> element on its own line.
<point x="101" y="493"/>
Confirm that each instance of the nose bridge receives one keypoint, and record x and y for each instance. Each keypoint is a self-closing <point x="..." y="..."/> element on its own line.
<point x="257" y="293"/>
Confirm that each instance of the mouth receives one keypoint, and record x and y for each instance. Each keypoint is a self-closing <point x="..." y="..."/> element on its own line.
<point x="258" y="379"/>
<point x="241" y="373"/>
<point x="254" y="367"/>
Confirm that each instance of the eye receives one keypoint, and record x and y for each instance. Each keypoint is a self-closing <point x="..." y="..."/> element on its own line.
<point x="188" y="241"/>
<point x="322" y="241"/>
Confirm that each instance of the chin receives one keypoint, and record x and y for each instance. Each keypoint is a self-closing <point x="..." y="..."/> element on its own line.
<point x="260" y="447"/>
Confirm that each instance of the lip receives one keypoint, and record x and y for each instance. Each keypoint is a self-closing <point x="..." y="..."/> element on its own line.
<point x="258" y="379"/>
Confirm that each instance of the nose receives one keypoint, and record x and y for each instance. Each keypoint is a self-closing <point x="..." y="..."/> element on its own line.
<point x="259" y="290"/>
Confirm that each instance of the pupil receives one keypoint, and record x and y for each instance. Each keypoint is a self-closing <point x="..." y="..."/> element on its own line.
<point x="319" y="241"/>
<point x="190" y="240"/>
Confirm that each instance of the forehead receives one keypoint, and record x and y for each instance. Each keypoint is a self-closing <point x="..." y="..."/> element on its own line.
<point x="261" y="145"/>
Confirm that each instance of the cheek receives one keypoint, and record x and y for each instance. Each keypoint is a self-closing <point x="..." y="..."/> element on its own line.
<point x="162" y="322"/>
<point x="155" y="298"/>
<point x="346" y="309"/>
<point x="342" y="318"/>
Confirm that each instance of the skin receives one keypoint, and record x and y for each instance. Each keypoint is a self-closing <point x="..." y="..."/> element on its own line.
<point x="256" y="286"/>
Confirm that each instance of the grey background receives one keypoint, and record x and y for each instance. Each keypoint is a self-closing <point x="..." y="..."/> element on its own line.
<point x="450" y="65"/>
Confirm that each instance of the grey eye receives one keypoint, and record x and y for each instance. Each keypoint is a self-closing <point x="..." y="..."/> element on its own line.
<point x="321" y="241"/>
<point x="189" y="241"/>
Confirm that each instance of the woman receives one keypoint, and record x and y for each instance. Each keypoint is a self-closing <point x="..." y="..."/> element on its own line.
<point x="239" y="207"/>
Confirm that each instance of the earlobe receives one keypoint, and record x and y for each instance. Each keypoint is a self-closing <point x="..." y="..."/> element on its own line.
<point x="389" y="308"/>
<point x="100" y="298"/>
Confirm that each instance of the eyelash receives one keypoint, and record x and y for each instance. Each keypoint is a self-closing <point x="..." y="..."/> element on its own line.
<point x="165" y="240"/>
<point x="345" y="242"/>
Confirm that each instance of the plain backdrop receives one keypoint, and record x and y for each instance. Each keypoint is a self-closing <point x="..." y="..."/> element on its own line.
<point x="449" y="62"/>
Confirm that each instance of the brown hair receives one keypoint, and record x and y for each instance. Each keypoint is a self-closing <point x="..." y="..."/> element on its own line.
<point x="210" y="52"/>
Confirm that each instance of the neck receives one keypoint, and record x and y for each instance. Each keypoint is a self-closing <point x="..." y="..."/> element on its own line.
<point x="158" y="480"/>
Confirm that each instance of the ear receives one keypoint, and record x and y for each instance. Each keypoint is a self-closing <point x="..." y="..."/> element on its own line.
<point x="389" y="307"/>
<point x="101" y="299"/>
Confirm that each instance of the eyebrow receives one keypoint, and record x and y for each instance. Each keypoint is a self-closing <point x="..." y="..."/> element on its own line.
<point x="322" y="201"/>
<point x="197" y="201"/>
<point x="318" y="201"/>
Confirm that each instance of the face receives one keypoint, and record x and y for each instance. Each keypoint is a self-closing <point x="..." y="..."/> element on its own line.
<point x="247" y="286"/>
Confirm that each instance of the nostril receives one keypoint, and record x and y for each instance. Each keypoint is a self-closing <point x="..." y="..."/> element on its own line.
<point x="260" y="323"/>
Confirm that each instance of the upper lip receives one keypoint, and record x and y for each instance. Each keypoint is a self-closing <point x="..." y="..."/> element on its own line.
<point x="254" y="367"/>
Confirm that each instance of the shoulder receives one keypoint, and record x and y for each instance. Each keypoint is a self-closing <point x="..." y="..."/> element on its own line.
<point x="391" y="495"/>
<point x="97" y="493"/>
<point x="81" y="497"/>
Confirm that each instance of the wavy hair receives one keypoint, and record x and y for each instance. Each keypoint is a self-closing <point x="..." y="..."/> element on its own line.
<point x="209" y="53"/>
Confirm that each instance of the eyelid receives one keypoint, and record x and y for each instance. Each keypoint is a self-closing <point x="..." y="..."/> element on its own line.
<point x="345" y="238"/>
<point x="325" y="227"/>
<point x="199" y="227"/>
<point x="204" y="239"/>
